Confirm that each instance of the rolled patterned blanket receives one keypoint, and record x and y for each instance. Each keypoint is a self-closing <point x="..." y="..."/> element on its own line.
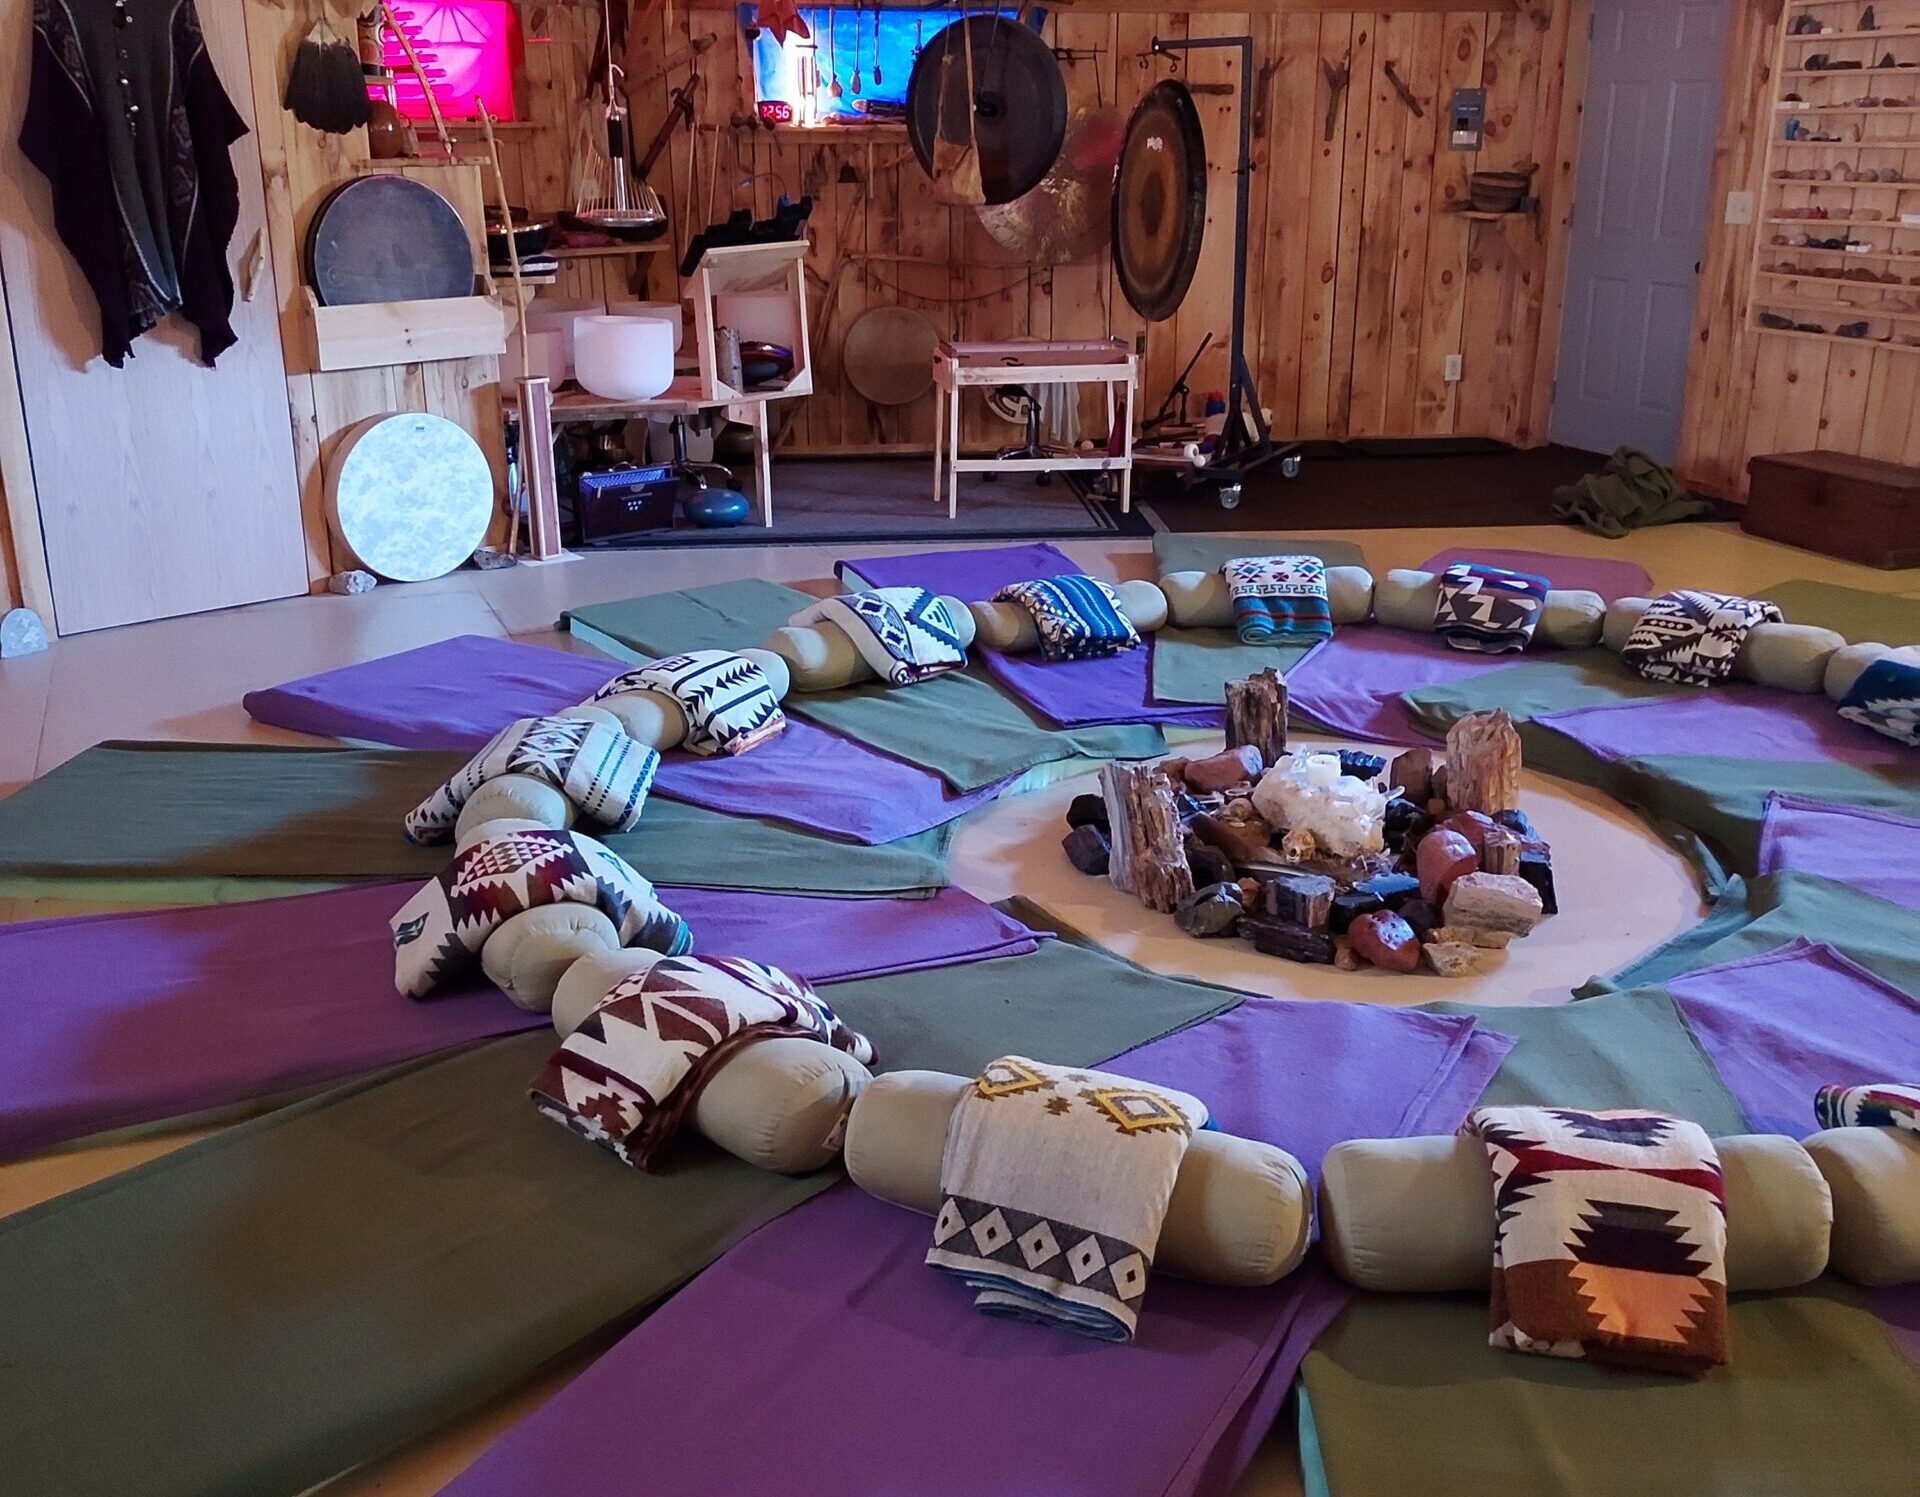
<point x="437" y="935"/>
<point x="1611" y="1237"/>
<point x="1692" y="637"/>
<point x="1488" y="610"/>
<point x="1883" y="1105"/>
<point x="1278" y="597"/>
<point x="905" y="634"/>
<point x="730" y="705"/>
<point x="1079" y="617"/>
<point x="634" y="1068"/>
<point x="1054" y="1188"/>
<point x="1886" y="698"/>
<point x="1869" y="1152"/>
<point x="604" y="774"/>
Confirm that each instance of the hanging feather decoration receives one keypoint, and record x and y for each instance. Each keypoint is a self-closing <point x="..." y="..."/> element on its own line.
<point x="326" y="88"/>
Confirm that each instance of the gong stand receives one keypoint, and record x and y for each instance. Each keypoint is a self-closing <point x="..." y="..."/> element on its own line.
<point x="1238" y="451"/>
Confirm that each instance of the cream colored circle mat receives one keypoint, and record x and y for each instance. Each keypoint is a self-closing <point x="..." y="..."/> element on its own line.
<point x="1621" y="893"/>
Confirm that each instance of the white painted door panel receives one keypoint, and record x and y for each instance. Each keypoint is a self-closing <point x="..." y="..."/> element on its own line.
<point x="1640" y="222"/>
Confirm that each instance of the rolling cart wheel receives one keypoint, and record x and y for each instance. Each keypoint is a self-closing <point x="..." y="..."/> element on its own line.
<point x="1290" y="466"/>
<point x="1229" y="496"/>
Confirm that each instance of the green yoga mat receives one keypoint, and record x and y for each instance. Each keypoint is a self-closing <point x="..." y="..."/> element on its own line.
<point x="1756" y="915"/>
<point x="1194" y="665"/>
<point x="1858" y="614"/>
<point x="132" y="812"/>
<point x="1627" y="1049"/>
<point x="959" y="726"/>
<point x="1579" y="678"/>
<point x="1407" y="1397"/>
<point x="263" y="1310"/>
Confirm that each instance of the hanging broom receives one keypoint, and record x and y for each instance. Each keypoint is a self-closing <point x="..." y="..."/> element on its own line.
<point x="326" y="88"/>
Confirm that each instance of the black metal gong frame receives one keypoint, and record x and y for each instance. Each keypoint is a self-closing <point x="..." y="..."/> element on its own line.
<point x="1245" y="442"/>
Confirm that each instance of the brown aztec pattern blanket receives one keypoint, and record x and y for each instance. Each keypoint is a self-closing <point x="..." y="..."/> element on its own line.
<point x="630" y="1074"/>
<point x="1610" y="1237"/>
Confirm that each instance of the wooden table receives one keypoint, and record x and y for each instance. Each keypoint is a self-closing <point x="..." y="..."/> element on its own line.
<point x="960" y="366"/>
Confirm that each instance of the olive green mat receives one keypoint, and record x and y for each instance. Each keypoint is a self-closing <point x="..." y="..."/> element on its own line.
<point x="1407" y="1397"/>
<point x="1858" y="614"/>
<point x="1757" y="915"/>
<point x="959" y="726"/>
<point x="212" y="813"/>
<point x="1194" y="665"/>
<point x="262" y="1310"/>
<point x="1578" y="678"/>
<point x="1626" y="1049"/>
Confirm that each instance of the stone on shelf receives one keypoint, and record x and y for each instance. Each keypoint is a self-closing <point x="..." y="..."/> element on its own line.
<point x="1386" y="940"/>
<point x="1345" y="958"/>
<point x="1392" y="889"/>
<point x="1149" y="858"/>
<point x="1242" y="841"/>
<point x="1493" y="901"/>
<point x="1212" y="911"/>
<point x="1304" y="898"/>
<point x="1441" y="858"/>
<point x="1537" y="869"/>
<point x="1516" y="820"/>
<point x="1452" y="958"/>
<point x="1349" y="907"/>
<point x="1257" y="714"/>
<point x="1209" y="864"/>
<point x="1088" y="849"/>
<point x="1473" y="825"/>
<point x="1272" y="936"/>
<point x="1486" y="940"/>
<point x="1087" y="810"/>
<point x="1500" y="852"/>
<point x="1412" y="774"/>
<point x="1402" y="821"/>
<point x="1421" y="915"/>
<point x="1362" y="766"/>
<point x="1483" y="763"/>
<point x="1222" y="772"/>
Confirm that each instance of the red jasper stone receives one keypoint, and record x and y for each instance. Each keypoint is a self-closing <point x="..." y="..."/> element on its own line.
<point x="1442" y="857"/>
<point x="1473" y="825"/>
<point x="1386" y="940"/>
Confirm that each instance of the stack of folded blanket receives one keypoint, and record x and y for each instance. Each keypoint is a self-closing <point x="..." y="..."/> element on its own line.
<point x="1276" y="597"/>
<point x="1886" y="698"/>
<point x="1079" y="617"/>
<point x="1692" y="637"/>
<point x="1488" y="610"/>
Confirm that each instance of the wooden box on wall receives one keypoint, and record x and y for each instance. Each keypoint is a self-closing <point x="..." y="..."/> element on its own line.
<point x="1856" y="508"/>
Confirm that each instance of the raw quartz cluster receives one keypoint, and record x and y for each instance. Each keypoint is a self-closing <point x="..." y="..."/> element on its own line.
<point x="1305" y="792"/>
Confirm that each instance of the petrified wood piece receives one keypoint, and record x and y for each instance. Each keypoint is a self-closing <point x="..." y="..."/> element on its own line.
<point x="1257" y="714"/>
<point x="1483" y="763"/>
<point x="1149" y="858"/>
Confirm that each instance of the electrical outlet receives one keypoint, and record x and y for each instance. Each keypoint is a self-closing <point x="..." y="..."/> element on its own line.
<point x="1456" y="370"/>
<point x="1739" y="207"/>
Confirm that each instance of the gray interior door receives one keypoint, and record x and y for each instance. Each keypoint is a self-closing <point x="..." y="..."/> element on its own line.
<point x="1639" y="222"/>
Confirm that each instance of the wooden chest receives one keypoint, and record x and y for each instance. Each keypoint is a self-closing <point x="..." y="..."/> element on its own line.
<point x="1855" y="508"/>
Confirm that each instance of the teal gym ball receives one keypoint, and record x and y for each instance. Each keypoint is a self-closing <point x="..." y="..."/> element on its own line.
<point x="717" y="508"/>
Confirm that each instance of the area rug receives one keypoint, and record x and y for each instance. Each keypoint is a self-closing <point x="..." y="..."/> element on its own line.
<point x="959" y="726"/>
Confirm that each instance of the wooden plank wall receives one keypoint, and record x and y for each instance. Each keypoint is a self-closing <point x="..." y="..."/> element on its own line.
<point x="1360" y="282"/>
<point x="1749" y="393"/>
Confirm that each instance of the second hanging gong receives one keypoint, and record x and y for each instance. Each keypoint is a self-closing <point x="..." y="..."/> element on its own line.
<point x="1160" y="201"/>
<point x="986" y="109"/>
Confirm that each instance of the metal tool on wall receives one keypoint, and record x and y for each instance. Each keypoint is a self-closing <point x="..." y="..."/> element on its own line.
<point x="608" y="201"/>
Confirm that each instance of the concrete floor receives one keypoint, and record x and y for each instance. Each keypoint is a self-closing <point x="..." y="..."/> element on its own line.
<point x="182" y="679"/>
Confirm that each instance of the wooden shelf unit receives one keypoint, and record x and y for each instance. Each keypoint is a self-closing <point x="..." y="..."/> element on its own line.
<point x="1791" y="294"/>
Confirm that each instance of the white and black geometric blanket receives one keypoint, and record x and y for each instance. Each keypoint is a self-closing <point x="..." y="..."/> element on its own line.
<point x="634" y="1069"/>
<point x="1692" y="637"/>
<point x="1488" y="610"/>
<point x="906" y="634"/>
<point x="729" y="703"/>
<point x="437" y="935"/>
<point x="1886" y="698"/>
<point x="1054" y="1187"/>
<point x="1886" y="1104"/>
<point x="603" y="772"/>
<point x="1079" y="618"/>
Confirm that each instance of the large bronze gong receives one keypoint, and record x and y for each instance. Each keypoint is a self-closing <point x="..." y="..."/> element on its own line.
<point x="1160" y="201"/>
<point x="986" y="109"/>
<point x="1069" y="216"/>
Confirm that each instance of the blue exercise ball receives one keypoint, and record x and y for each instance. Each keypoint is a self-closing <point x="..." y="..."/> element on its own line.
<point x="715" y="508"/>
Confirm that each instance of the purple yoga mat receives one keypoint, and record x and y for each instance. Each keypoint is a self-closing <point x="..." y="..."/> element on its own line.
<point x="1780" y="1026"/>
<point x="1736" y="722"/>
<point x="1872" y="850"/>
<point x="929" y="1396"/>
<point x="1352" y="684"/>
<point x="1610" y="579"/>
<point x="1072" y="694"/>
<point x="180" y="1011"/>
<point x="457" y="694"/>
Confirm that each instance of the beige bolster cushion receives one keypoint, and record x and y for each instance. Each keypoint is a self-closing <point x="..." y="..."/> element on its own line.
<point x="780" y="1104"/>
<point x="656" y="719"/>
<point x="518" y="798"/>
<point x="1010" y="628"/>
<point x="1875" y="1177"/>
<point x="1846" y="664"/>
<point x="820" y="657"/>
<point x="1241" y="1211"/>
<point x="1202" y="600"/>
<point x="1570" y="618"/>
<point x="526" y="957"/>
<point x="1788" y="657"/>
<point x="1415" y="1215"/>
